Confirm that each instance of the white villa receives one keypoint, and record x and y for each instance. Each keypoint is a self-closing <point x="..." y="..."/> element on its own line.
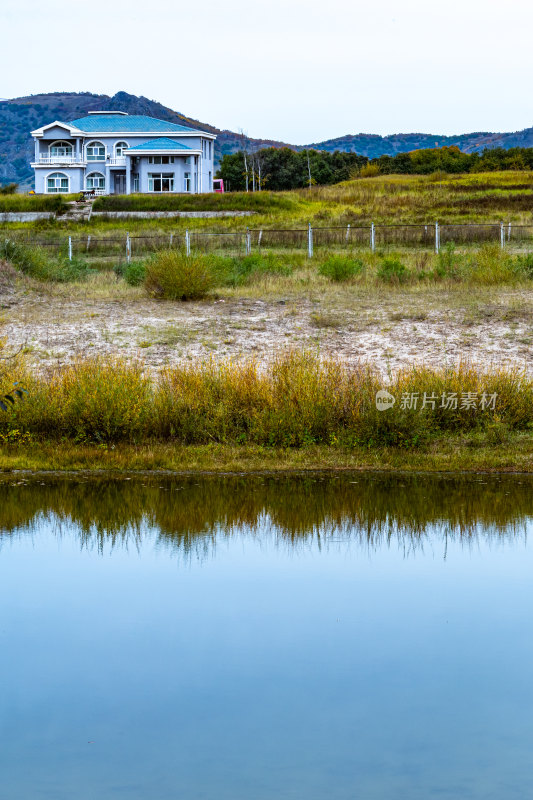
<point x="112" y="152"/>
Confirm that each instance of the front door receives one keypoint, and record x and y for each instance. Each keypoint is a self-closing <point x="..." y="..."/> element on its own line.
<point x="120" y="183"/>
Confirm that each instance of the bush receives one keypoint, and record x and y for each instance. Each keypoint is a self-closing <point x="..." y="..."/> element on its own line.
<point x="447" y="263"/>
<point x="524" y="265"/>
<point x="491" y="265"/>
<point x="340" y="268"/>
<point x="9" y="188"/>
<point x="35" y="263"/>
<point x="391" y="270"/>
<point x="174" y="276"/>
<point x="134" y="273"/>
<point x="370" y="171"/>
<point x="239" y="271"/>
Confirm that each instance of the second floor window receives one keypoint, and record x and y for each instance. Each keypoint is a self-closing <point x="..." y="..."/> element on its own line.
<point x="61" y="149"/>
<point x="119" y="148"/>
<point x="161" y="159"/>
<point x="95" y="151"/>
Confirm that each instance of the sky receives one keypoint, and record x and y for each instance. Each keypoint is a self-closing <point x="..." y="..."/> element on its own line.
<point x="294" y="71"/>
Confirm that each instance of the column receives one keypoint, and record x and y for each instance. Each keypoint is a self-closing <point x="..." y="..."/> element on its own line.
<point x="78" y="150"/>
<point x="37" y="150"/>
<point x="128" y="175"/>
<point x="107" y="180"/>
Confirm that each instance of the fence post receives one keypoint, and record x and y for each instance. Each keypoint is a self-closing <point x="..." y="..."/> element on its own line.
<point x="171" y="238"/>
<point x="187" y="243"/>
<point x="347" y="233"/>
<point x="437" y="238"/>
<point x="88" y="242"/>
<point x="70" y="248"/>
<point x="502" y="236"/>
<point x="309" y="241"/>
<point x="248" y="242"/>
<point x="128" y="248"/>
<point x="509" y="233"/>
<point x="259" y="238"/>
<point x="373" y="238"/>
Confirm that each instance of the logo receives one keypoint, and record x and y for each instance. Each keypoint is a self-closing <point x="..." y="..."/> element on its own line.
<point x="384" y="400"/>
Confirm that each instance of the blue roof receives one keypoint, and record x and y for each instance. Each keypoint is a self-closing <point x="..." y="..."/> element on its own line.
<point x="109" y="123"/>
<point x="160" y="144"/>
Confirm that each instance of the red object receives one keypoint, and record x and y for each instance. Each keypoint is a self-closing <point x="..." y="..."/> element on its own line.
<point x="218" y="185"/>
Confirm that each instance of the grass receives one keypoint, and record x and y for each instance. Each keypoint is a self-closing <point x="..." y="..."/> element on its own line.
<point x="452" y="453"/>
<point x="24" y="202"/>
<point x="297" y="400"/>
<point x="383" y="199"/>
<point x="169" y="273"/>
<point x="236" y="201"/>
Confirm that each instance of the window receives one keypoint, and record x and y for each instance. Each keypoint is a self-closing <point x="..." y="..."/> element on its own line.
<point x="61" y="149"/>
<point x="160" y="182"/>
<point x="119" y="148"/>
<point x="57" y="182"/>
<point x="161" y="159"/>
<point x="135" y="182"/>
<point x="95" y="151"/>
<point x="186" y="181"/>
<point x="210" y="148"/>
<point x="95" y="180"/>
<point x="210" y="180"/>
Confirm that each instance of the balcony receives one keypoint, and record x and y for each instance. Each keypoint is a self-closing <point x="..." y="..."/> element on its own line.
<point x="56" y="160"/>
<point x="117" y="161"/>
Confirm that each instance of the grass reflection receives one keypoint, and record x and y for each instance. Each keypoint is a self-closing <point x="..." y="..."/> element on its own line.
<point x="189" y="514"/>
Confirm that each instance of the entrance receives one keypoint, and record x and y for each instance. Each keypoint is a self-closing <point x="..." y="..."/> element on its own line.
<point x="120" y="183"/>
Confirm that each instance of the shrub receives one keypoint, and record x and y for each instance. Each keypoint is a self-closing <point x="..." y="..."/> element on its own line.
<point x="369" y="171"/>
<point x="340" y="268"/>
<point x="491" y="265"/>
<point x="174" y="276"/>
<point x="35" y="263"/>
<point x="524" y="265"/>
<point x="447" y="263"/>
<point x="391" y="270"/>
<point x="9" y="188"/>
<point x="134" y="273"/>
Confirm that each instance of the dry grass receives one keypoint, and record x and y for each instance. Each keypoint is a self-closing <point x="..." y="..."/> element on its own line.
<point x="297" y="399"/>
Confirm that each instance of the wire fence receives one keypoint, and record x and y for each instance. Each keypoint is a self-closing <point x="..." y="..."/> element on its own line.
<point x="309" y="239"/>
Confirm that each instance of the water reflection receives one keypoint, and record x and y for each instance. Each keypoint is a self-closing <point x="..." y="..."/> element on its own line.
<point x="188" y="514"/>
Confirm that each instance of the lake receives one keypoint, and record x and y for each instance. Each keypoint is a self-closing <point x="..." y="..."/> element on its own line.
<point x="228" y="638"/>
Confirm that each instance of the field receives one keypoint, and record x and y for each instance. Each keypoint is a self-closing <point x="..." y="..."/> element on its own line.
<point x="398" y="308"/>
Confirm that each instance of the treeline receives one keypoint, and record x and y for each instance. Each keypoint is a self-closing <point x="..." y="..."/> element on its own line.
<point x="277" y="169"/>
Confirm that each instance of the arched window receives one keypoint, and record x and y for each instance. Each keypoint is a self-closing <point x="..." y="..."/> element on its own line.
<point x="95" y="180"/>
<point x="60" y="149"/>
<point x="95" y="151"/>
<point x="120" y="147"/>
<point x="57" y="182"/>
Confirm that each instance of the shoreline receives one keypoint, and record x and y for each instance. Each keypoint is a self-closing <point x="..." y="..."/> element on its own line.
<point x="452" y="455"/>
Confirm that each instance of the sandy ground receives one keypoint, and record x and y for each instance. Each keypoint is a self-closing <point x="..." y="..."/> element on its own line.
<point x="389" y="329"/>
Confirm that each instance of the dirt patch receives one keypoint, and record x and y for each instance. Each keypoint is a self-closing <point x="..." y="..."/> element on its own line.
<point x="8" y="279"/>
<point x="389" y="330"/>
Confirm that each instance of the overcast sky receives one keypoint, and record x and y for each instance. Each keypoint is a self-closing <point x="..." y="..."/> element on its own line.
<point x="300" y="71"/>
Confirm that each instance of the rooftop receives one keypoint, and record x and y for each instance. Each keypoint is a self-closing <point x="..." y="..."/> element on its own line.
<point x="160" y="144"/>
<point x="116" y="122"/>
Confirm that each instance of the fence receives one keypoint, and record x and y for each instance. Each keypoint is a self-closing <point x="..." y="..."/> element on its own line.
<point x="372" y="237"/>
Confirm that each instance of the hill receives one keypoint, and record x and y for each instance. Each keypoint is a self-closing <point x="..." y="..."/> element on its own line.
<point x="22" y="114"/>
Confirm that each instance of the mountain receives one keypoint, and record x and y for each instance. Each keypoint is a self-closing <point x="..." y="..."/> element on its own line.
<point x="21" y="115"/>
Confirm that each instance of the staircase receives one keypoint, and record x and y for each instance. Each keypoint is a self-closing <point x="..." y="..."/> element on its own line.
<point x="78" y="212"/>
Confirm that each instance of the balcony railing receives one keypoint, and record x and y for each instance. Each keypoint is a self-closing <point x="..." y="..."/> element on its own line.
<point x="117" y="161"/>
<point x="61" y="160"/>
